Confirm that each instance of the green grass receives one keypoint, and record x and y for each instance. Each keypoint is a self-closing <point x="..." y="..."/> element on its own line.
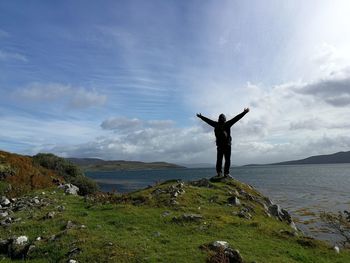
<point x="121" y="231"/>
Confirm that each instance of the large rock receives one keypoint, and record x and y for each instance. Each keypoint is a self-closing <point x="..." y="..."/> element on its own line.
<point x="18" y="248"/>
<point x="201" y="183"/>
<point x="233" y="200"/>
<point x="223" y="250"/>
<point x="70" y="189"/>
<point x="222" y="244"/>
<point x="281" y="214"/>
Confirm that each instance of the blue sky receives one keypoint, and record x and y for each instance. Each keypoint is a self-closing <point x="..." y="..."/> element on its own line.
<point x="124" y="79"/>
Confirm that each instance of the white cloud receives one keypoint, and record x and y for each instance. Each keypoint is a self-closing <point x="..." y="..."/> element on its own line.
<point x="146" y="140"/>
<point x="72" y="97"/>
<point x="6" y="56"/>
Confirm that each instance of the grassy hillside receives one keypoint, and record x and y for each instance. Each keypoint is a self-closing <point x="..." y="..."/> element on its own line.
<point x="20" y="174"/>
<point x="169" y="222"/>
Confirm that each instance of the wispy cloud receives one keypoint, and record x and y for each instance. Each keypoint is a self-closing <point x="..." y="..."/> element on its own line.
<point x="6" y="56"/>
<point x="4" y="34"/>
<point x="73" y="97"/>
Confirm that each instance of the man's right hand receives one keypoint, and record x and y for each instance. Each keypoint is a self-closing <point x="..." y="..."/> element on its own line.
<point x="246" y="110"/>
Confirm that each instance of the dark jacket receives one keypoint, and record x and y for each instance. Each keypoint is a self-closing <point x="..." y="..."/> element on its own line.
<point x="223" y="130"/>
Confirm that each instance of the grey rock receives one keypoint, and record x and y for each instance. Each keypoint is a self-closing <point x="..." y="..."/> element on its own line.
<point x="188" y="218"/>
<point x="244" y="213"/>
<point x="70" y="189"/>
<point x="222" y="244"/>
<point x="281" y="214"/>
<point x="233" y="200"/>
<point x="293" y="226"/>
<point x="6" y="222"/>
<point x="50" y="215"/>
<point x="192" y="217"/>
<point x="30" y="251"/>
<point x="4" y="201"/>
<point x="233" y="255"/>
<point x="174" y="202"/>
<point x="19" y="247"/>
<point x="60" y="208"/>
<point x="202" y="183"/>
<point x="4" y="214"/>
<point x="336" y="249"/>
<point x="70" y="225"/>
<point x="166" y="213"/>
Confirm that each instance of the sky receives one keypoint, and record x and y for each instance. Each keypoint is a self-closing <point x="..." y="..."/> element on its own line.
<point x="125" y="79"/>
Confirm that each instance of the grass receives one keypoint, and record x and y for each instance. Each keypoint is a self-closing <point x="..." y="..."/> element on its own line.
<point x="119" y="229"/>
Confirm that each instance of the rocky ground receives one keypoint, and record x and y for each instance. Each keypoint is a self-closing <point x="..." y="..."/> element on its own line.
<point x="217" y="220"/>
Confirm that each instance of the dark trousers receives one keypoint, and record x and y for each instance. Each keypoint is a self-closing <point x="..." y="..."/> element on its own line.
<point x="223" y="152"/>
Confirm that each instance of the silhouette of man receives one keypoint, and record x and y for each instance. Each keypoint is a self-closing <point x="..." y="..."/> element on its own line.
<point x="222" y="129"/>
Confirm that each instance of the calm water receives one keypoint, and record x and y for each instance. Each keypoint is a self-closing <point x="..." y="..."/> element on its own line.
<point x="304" y="190"/>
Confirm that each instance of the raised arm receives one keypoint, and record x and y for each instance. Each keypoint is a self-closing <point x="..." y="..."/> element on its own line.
<point x="207" y="120"/>
<point x="238" y="117"/>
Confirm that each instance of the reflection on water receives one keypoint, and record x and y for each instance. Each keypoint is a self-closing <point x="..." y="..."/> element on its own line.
<point x="304" y="190"/>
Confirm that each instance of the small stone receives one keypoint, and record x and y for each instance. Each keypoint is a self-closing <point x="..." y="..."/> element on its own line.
<point x="336" y="249"/>
<point x="31" y="249"/>
<point x="72" y="261"/>
<point x="192" y="217"/>
<point x="21" y="240"/>
<point x="38" y="239"/>
<point x="293" y="226"/>
<point x="4" y="201"/>
<point x="60" y="208"/>
<point x="83" y="227"/>
<point x="36" y="201"/>
<point x="110" y="244"/>
<point x="166" y="213"/>
<point x="70" y="225"/>
<point x="4" y="214"/>
<point x="50" y="215"/>
<point x="156" y="234"/>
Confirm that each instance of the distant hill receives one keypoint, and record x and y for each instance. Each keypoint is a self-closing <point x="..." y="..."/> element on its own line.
<point x="339" y="157"/>
<point x="198" y="165"/>
<point x="95" y="164"/>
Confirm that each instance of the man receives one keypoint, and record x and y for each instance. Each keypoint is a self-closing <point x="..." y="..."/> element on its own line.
<point x="222" y="129"/>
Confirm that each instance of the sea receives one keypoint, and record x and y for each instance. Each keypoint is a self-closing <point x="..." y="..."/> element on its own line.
<point x="305" y="191"/>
